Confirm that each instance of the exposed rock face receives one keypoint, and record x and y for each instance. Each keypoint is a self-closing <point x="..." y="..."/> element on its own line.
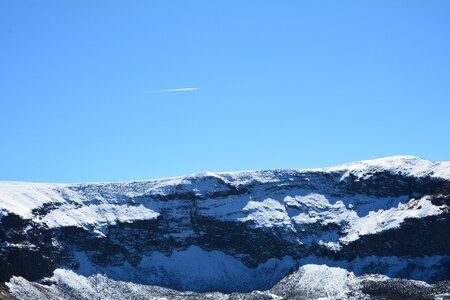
<point x="27" y="249"/>
<point x="236" y="232"/>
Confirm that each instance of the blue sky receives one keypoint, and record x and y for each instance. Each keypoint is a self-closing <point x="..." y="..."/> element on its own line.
<point x="279" y="84"/>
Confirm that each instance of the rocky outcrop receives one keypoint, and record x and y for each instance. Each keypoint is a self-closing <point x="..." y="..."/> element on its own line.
<point x="27" y="249"/>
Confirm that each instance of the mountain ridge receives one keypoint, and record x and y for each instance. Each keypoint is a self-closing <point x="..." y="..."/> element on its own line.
<point x="242" y="231"/>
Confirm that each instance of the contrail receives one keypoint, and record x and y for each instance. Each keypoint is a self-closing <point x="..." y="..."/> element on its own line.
<point x="176" y="90"/>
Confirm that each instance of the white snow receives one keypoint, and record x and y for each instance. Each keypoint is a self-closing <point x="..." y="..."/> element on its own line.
<point x="304" y="212"/>
<point x="409" y="165"/>
<point x="316" y="208"/>
<point x="194" y="269"/>
<point x="315" y="278"/>
<point x="101" y="204"/>
<point x="323" y="282"/>
<point x="98" y="215"/>
<point x="22" y="197"/>
<point x="266" y="213"/>
<point x="381" y="220"/>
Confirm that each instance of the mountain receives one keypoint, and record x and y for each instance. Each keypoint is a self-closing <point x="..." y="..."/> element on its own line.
<point x="376" y="229"/>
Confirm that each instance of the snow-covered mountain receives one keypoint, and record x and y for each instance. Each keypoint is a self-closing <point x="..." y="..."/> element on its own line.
<point x="369" y="229"/>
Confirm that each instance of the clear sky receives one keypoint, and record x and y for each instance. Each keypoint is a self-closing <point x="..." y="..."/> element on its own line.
<point x="273" y="84"/>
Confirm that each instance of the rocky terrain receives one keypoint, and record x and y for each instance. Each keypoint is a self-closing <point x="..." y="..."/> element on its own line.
<point x="376" y="229"/>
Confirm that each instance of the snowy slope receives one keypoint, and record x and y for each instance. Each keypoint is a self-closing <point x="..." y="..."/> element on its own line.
<point x="407" y="165"/>
<point x="239" y="231"/>
<point x="97" y="203"/>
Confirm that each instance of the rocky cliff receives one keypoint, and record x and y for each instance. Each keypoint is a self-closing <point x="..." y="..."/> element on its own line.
<point x="376" y="229"/>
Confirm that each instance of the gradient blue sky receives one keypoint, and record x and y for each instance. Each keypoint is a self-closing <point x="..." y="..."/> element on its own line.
<point x="281" y="84"/>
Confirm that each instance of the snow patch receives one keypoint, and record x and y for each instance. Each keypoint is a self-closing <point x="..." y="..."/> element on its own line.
<point x="267" y="213"/>
<point x="194" y="269"/>
<point x="382" y="220"/>
<point x="408" y="165"/>
<point x="21" y="198"/>
<point x="98" y="215"/>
